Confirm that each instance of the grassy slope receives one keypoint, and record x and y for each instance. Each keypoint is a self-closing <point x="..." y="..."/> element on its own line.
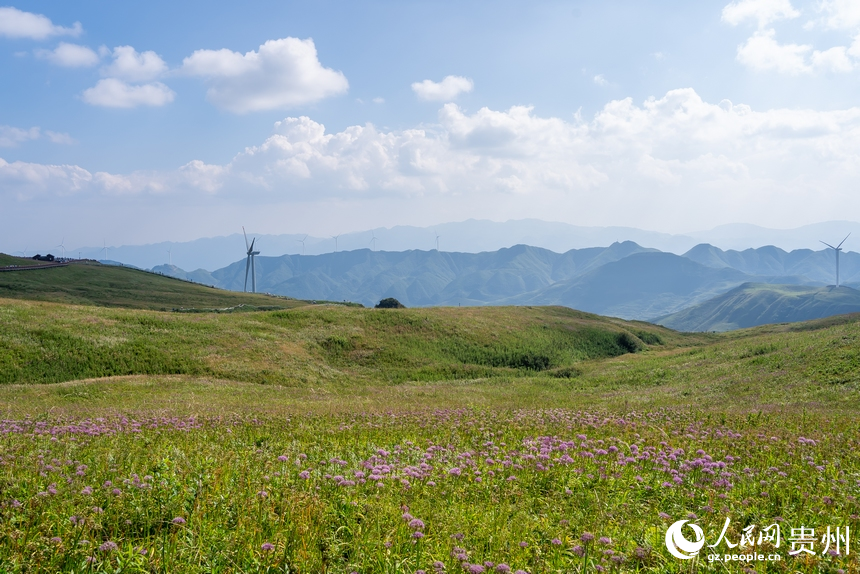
<point x="335" y="358"/>
<point x="44" y="342"/>
<point x="753" y="304"/>
<point x="95" y="284"/>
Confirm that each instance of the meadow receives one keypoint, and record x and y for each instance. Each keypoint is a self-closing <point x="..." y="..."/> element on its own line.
<point x="334" y="439"/>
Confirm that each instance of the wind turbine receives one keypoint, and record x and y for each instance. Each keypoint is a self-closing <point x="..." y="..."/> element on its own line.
<point x="169" y="258"/>
<point x="837" y="249"/>
<point x="24" y="252"/>
<point x="373" y="240"/>
<point x="249" y="264"/>
<point x="437" y="240"/>
<point x="63" y="247"/>
<point x="104" y="241"/>
<point x="302" y="241"/>
<point x="335" y="241"/>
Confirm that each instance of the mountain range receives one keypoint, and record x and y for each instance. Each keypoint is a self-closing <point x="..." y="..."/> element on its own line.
<point x="624" y="280"/>
<point x="471" y="236"/>
<point x="753" y="304"/>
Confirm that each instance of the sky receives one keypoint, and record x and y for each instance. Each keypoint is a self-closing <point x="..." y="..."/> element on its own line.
<point x="131" y="122"/>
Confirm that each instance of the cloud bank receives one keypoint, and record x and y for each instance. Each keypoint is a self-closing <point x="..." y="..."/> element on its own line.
<point x="676" y="156"/>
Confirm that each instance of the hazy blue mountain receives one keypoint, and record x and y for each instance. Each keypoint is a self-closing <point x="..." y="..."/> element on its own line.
<point x="642" y="286"/>
<point x="817" y="266"/>
<point x="471" y="236"/>
<point x="199" y="276"/>
<point x="753" y="304"/>
<point x="421" y="278"/>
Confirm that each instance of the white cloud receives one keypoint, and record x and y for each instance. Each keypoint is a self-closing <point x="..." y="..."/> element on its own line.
<point x="114" y="93"/>
<point x="445" y="91"/>
<point x="835" y="60"/>
<point x="59" y="138"/>
<point x="762" y="52"/>
<point x="600" y="80"/>
<point x="764" y="11"/>
<point x="15" y="23"/>
<point x="841" y="14"/>
<point x="131" y="66"/>
<point x="283" y="73"/>
<point x="667" y="159"/>
<point x="70" y="56"/>
<point x="378" y="100"/>
<point x="11" y="137"/>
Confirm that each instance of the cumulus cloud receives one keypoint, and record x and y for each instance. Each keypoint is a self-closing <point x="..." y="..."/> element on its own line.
<point x="841" y="14"/>
<point x="763" y="11"/>
<point x="130" y="65"/>
<point x="445" y="91"/>
<point x="114" y="93"/>
<point x="763" y="53"/>
<point x="70" y="56"/>
<point x="15" y="23"/>
<point x="674" y="156"/>
<point x="835" y="60"/>
<point x="281" y="74"/>
<point x="600" y="80"/>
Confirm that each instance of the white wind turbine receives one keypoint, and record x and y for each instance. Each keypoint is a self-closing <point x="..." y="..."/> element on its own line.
<point x="437" y="240"/>
<point x="104" y="241"/>
<point x="335" y="241"/>
<point x="249" y="264"/>
<point x="373" y="240"/>
<point x="302" y="241"/>
<point x="837" y="249"/>
<point x="63" y="247"/>
<point x="169" y="258"/>
<point x="24" y="252"/>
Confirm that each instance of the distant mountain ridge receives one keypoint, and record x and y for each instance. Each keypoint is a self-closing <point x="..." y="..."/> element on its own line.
<point x="753" y="304"/>
<point x="624" y="280"/>
<point x="470" y="236"/>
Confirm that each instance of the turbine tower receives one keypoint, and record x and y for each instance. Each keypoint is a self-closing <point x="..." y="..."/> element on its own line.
<point x="437" y="240"/>
<point x="302" y="241"/>
<point x="63" y="247"/>
<point x="169" y="258"/>
<point x="837" y="249"/>
<point x="249" y="263"/>
<point x="335" y="241"/>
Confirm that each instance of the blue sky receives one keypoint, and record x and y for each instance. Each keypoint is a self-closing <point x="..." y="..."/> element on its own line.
<point x="142" y="122"/>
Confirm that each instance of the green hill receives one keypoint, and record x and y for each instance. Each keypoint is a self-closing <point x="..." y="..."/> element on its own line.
<point x="45" y="342"/>
<point x="753" y="304"/>
<point x="91" y="283"/>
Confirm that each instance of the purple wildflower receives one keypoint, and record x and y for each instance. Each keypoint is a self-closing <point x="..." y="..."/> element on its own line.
<point x="267" y="547"/>
<point x="108" y="546"/>
<point x="178" y="520"/>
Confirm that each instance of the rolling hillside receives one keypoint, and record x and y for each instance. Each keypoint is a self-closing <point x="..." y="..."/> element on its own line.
<point x="310" y="345"/>
<point x="753" y="304"/>
<point x="90" y="283"/>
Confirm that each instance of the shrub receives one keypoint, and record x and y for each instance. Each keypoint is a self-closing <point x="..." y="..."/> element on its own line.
<point x="390" y="303"/>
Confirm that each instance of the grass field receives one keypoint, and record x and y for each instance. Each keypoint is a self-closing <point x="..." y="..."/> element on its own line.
<point x="90" y="283"/>
<point x="333" y="439"/>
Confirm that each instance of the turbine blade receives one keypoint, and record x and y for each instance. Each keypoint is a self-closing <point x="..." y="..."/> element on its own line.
<point x="253" y="275"/>
<point x="828" y="245"/>
<point x="247" y="266"/>
<point x="843" y="241"/>
<point x="246" y="238"/>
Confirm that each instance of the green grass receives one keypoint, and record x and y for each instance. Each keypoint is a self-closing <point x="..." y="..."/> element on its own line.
<point x="90" y="283"/>
<point x="213" y="418"/>
<point x="310" y="345"/>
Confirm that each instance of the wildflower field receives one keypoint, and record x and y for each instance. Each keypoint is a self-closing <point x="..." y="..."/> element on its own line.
<point x="580" y="466"/>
